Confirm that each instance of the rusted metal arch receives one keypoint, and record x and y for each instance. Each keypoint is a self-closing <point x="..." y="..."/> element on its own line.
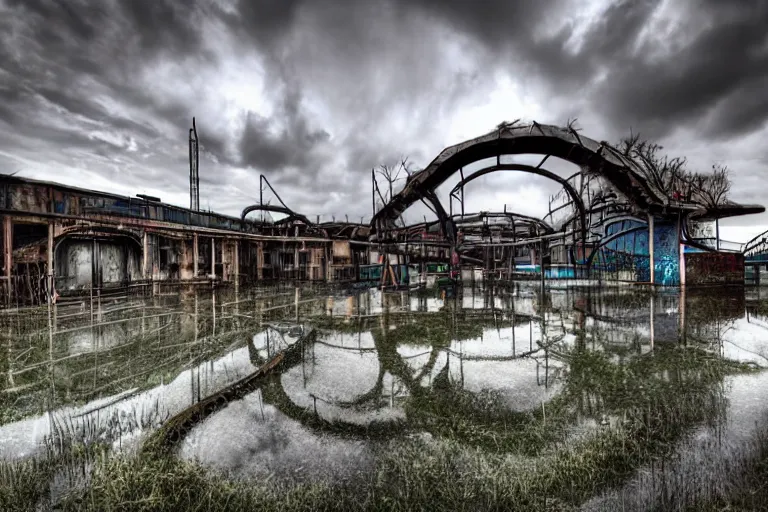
<point x="276" y="209"/>
<point x="471" y="217"/>
<point x="539" y="172"/>
<point x="534" y="138"/>
<point x="100" y="232"/>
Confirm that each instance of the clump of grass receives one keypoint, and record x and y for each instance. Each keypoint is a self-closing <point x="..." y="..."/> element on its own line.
<point x="484" y="420"/>
<point x="165" y="483"/>
<point x="26" y="484"/>
<point x="744" y="483"/>
<point x="23" y="485"/>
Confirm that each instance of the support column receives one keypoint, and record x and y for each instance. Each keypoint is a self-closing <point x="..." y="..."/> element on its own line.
<point x="651" y="259"/>
<point x="195" y="256"/>
<point x="213" y="258"/>
<point x="185" y="271"/>
<point x="296" y="266"/>
<point x="236" y="262"/>
<point x="652" y="319"/>
<point x="7" y="247"/>
<point x="145" y="262"/>
<point x="226" y="259"/>
<point x="260" y="261"/>
<point x="49" y="266"/>
<point x="683" y="335"/>
<point x="717" y="234"/>
<point x="682" y="264"/>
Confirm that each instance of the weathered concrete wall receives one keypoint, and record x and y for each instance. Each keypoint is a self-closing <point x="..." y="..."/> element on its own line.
<point x="117" y="262"/>
<point x="76" y="264"/>
<point x="187" y="263"/>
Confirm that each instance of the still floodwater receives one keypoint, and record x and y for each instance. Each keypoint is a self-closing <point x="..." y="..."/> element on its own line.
<point x="654" y="396"/>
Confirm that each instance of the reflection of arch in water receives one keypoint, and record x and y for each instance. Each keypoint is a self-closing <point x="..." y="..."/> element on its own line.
<point x="389" y="362"/>
<point x="110" y="255"/>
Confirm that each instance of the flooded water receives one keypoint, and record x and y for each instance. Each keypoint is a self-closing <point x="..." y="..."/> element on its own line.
<point x="667" y="387"/>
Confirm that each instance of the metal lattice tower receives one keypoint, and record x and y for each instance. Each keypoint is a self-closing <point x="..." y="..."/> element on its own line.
<point x="194" y="166"/>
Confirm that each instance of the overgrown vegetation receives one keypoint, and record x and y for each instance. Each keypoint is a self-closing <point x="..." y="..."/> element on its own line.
<point x="671" y="176"/>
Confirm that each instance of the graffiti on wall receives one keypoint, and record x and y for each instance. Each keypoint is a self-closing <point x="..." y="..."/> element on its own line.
<point x="714" y="267"/>
<point x="630" y="252"/>
<point x="666" y="254"/>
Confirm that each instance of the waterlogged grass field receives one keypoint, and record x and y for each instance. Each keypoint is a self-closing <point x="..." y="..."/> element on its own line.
<point x="493" y="399"/>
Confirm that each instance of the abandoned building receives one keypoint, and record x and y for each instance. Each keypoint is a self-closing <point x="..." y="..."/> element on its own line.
<point x="609" y="222"/>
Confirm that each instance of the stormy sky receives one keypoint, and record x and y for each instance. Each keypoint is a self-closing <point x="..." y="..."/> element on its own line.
<point x="315" y="93"/>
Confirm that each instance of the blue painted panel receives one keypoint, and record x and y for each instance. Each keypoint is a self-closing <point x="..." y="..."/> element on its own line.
<point x="560" y="273"/>
<point x="666" y="248"/>
<point x="630" y="252"/>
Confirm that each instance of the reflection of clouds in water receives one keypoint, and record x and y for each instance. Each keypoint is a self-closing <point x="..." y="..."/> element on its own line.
<point x="498" y="342"/>
<point x="25" y="437"/>
<point x="337" y="375"/>
<point x="516" y="380"/>
<point x="349" y="340"/>
<point x="745" y="341"/>
<point x="238" y="439"/>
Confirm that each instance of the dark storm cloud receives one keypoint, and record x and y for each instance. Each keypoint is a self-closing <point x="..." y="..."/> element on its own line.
<point x="379" y="68"/>
<point x="53" y="46"/>
<point x="718" y="76"/>
<point x="291" y="146"/>
<point x="713" y="80"/>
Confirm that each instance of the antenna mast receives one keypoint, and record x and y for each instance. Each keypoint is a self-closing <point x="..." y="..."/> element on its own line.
<point x="194" y="166"/>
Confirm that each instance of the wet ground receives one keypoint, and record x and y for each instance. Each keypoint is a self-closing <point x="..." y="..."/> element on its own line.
<point x="506" y="370"/>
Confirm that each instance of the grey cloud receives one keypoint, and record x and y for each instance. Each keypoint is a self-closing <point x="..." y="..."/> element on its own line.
<point x="291" y="147"/>
<point x="725" y="65"/>
<point x="716" y="68"/>
<point x="379" y="69"/>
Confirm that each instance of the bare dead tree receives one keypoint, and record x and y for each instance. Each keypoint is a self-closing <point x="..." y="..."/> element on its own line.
<point x="667" y="174"/>
<point x="670" y="175"/>
<point x="391" y="174"/>
<point x="711" y="190"/>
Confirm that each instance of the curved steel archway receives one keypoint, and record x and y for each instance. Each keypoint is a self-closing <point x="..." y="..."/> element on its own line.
<point x="474" y="217"/>
<point x="534" y="138"/>
<point x="539" y="172"/>
<point x="276" y="209"/>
